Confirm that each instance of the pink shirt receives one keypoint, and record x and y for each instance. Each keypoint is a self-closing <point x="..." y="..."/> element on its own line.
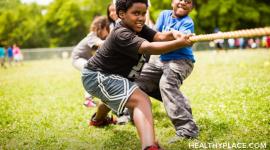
<point x="16" y="50"/>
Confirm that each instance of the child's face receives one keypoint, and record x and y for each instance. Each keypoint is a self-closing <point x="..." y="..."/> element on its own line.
<point x="181" y="7"/>
<point x="104" y="33"/>
<point x="112" y="13"/>
<point x="134" y="17"/>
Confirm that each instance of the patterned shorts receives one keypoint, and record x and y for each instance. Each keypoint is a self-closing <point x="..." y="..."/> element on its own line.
<point x="113" y="90"/>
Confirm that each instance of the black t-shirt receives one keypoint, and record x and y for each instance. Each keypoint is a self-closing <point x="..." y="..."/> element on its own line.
<point x="119" y="53"/>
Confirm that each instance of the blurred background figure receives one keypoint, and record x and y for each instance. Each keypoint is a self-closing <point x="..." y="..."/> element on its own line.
<point x="236" y="43"/>
<point x="264" y="41"/>
<point x="86" y="48"/>
<point x="219" y="44"/>
<point x="2" y="56"/>
<point x="18" y="56"/>
<point x="258" y="42"/>
<point x="10" y="55"/>
<point x="241" y="43"/>
<point x="251" y="43"/>
<point x="231" y="43"/>
<point x="111" y="15"/>
<point x="148" y="20"/>
<point x="268" y="42"/>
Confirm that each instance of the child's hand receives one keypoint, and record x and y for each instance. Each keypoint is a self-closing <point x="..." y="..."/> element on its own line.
<point x="190" y="43"/>
<point x="185" y="39"/>
<point x="177" y="34"/>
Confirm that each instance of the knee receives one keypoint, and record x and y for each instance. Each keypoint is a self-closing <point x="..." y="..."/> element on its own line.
<point x="138" y="98"/>
<point x="143" y="99"/>
<point x="166" y="83"/>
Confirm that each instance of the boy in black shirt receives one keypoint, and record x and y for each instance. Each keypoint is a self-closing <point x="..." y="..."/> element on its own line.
<point x="109" y="74"/>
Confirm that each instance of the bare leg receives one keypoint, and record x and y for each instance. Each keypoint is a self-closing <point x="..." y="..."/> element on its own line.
<point x="102" y="112"/>
<point x="142" y="116"/>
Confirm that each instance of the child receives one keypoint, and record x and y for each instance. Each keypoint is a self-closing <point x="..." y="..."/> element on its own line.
<point x="99" y="30"/>
<point x="162" y="78"/>
<point x="111" y="15"/>
<point x="10" y="55"/>
<point x="109" y="74"/>
<point x="113" y="19"/>
<point x="2" y="56"/>
<point x="18" y="57"/>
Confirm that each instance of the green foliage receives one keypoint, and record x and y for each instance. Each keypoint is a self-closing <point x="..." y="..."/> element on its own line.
<point x="229" y="95"/>
<point x="66" y="22"/>
<point x="93" y="8"/>
<point x="23" y="25"/>
<point x="230" y="15"/>
<point x="225" y="14"/>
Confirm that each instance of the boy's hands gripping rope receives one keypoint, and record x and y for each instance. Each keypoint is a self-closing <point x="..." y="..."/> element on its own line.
<point x="184" y="38"/>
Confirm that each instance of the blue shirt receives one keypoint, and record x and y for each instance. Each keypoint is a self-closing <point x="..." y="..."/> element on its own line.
<point x="2" y="52"/>
<point x="10" y="52"/>
<point x="185" y="25"/>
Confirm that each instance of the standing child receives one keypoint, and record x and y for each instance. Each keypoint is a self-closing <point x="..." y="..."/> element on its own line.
<point x="162" y="78"/>
<point x="18" y="56"/>
<point x="109" y="74"/>
<point x="10" y="55"/>
<point x="99" y="30"/>
<point x="2" y="56"/>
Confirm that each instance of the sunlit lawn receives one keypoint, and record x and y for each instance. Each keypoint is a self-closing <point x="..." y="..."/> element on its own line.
<point x="41" y="105"/>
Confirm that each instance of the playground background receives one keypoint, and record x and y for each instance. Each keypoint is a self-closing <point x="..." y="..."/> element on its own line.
<point x="41" y="105"/>
<point x="63" y="23"/>
<point x="41" y="100"/>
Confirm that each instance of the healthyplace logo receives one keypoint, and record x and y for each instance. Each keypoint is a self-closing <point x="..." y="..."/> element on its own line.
<point x="198" y="145"/>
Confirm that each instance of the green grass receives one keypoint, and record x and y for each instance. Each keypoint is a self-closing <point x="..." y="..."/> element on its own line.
<point x="41" y="105"/>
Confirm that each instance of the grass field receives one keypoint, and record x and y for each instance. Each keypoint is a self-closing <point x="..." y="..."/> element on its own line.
<point x="41" y="106"/>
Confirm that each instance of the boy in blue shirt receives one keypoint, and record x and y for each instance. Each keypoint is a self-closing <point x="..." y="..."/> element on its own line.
<point x="10" y="55"/>
<point x="161" y="78"/>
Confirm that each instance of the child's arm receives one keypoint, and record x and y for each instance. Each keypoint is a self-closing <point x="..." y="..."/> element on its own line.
<point x="97" y="45"/>
<point x="166" y="36"/>
<point x="156" y="48"/>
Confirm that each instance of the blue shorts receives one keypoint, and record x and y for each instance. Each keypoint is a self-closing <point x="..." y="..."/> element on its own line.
<point x="113" y="90"/>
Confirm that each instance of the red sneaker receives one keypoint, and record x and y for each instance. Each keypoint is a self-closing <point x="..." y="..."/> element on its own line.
<point x="153" y="147"/>
<point x="106" y="121"/>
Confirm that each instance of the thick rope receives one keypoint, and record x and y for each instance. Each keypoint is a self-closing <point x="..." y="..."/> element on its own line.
<point x="233" y="34"/>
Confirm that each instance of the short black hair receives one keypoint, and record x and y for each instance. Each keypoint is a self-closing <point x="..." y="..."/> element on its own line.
<point x="124" y="5"/>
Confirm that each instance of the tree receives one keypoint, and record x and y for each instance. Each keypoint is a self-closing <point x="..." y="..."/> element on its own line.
<point x="23" y="24"/>
<point x="225" y="14"/>
<point x="65" y="23"/>
<point x="230" y="15"/>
